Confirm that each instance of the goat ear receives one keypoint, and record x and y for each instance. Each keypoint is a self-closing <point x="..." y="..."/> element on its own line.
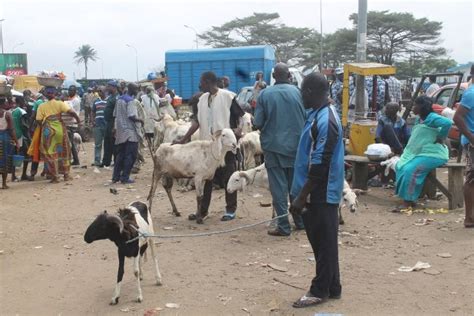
<point x="218" y="133"/>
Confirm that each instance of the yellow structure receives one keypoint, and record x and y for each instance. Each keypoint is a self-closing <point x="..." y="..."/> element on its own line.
<point x="362" y="132"/>
<point x="27" y="82"/>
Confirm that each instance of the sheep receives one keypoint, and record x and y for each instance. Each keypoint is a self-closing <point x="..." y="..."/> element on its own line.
<point x="258" y="177"/>
<point x="250" y="147"/>
<point x="167" y="130"/>
<point x="247" y="123"/>
<point x="198" y="160"/>
<point x="120" y="229"/>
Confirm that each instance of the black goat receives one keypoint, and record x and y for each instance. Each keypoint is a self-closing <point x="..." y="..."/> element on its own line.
<point x="120" y="229"/>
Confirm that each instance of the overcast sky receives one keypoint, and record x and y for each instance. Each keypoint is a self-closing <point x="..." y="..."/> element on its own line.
<point x="51" y="30"/>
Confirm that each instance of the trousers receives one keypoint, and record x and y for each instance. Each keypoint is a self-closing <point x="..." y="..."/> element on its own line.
<point x="321" y="223"/>
<point x="224" y="172"/>
<point x="109" y="147"/>
<point x="99" y="135"/>
<point x="280" y="180"/>
<point x="126" y="155"/>
<point x="70" y="135"/>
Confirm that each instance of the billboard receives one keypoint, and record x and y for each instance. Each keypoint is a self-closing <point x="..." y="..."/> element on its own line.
<point x="13" y="64"/>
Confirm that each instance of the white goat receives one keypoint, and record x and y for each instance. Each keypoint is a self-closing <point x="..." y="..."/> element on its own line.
<point x="258" y="177"/>
<point x="247" y="123"/>
<point x="198" y="160"/>
<point x="251" y="149"/>
<point x="167" y="130"/>
<point x="121" y="229"/>
<point x="77" y="139"/>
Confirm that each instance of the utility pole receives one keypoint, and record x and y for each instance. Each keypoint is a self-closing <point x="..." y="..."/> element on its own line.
<point x="361" y="55"/>
<point x="195" y="33"/>
<point x="321" y="31"/>
<point x="136" y="57"/>
<point x="1" y="34"/>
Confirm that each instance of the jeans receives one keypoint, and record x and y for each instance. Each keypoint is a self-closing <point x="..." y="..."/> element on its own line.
<point x="321" y="223"/>
<point x="99" y="135"/>
<point x="126" y="156"/>
<point x="280" y="181"/>
<point x="70" y="134"/>
<point x="109" y="147"/>
<point x="225" y="172"/>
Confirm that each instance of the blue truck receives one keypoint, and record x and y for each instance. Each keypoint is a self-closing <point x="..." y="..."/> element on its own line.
<point x="240" y="64"/>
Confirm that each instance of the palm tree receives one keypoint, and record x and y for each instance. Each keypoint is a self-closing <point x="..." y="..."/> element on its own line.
<point x="84" y="54"/>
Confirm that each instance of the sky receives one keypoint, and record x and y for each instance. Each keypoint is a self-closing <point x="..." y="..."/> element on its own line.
<point x="50" y="31"/>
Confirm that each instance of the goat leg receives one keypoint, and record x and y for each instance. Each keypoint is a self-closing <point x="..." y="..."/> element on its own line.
<point x="167" y="182"/>
<point x="120" y="272"/>
<point x="136" y="271"/>
<point x="155" y="261"/>
<point x="341" y="220"/>
<point x="199" y="213"/>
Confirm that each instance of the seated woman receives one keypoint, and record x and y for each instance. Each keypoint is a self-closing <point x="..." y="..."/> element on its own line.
<point x="424" y="152"/>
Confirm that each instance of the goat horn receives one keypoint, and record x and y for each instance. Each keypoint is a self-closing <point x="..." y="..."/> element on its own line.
<point x="244" y="175"/>
<point x="117" y="220"/>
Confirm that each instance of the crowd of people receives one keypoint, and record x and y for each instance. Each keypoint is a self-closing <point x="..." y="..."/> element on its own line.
<point x="300" y="133"/>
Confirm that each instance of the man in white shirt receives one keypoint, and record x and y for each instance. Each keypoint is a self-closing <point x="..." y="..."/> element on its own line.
<point x="217" y="109"/>
<point x="433" y="87"/>
<point x="74" y="101"/>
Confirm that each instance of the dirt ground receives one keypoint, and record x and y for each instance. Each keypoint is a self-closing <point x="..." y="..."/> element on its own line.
<point x="46" y="268"/>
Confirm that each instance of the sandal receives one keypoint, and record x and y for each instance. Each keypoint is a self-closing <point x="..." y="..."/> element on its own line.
<point x="308" y="300"/>
<point x="228" y="217"/>
<point x="193" y="217"/>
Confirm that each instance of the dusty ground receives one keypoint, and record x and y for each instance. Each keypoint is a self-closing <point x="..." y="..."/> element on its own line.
<point x="47" y="269"/>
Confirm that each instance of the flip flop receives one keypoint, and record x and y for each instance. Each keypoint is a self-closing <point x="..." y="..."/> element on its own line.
<point x="228" y="217"/>
<point x="307" y="301"/>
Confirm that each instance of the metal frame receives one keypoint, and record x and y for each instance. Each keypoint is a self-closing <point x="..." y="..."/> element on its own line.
<point x="363" y="69"/>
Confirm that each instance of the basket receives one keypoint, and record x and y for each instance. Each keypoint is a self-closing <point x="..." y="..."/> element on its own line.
<point x="50" y="82"/>
<point x="5" y="89"/>
<point x="18" y="160"/>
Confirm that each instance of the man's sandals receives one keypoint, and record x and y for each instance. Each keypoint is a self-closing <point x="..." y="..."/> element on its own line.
<point x="309" y="299"/>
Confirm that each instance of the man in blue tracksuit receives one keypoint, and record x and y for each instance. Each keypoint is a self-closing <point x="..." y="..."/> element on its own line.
<point x="280" y="115"/>
<point x="319" y="175"/>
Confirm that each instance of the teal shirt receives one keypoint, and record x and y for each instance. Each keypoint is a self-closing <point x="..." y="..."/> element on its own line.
<point x="280" y="116"/>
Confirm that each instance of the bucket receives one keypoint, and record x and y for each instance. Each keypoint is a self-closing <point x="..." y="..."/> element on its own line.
<point x="18" y="160"/>
<point x="361" y="135"/>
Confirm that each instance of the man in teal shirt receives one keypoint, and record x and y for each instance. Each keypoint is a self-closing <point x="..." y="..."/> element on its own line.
<point x="280" y="116"/>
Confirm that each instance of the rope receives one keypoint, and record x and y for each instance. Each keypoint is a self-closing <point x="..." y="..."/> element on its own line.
<point x="217" y="232"/>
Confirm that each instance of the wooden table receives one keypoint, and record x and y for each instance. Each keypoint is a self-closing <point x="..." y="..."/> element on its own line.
<point x="454" y="191"/>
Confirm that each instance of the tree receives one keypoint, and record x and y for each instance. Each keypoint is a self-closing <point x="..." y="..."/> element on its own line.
<point x="416" y="67"/>
<point x="263" y="29"/>
<point x="340" y="47"/>
<point x="392" y="35"/>
<point x="84" y="54"/>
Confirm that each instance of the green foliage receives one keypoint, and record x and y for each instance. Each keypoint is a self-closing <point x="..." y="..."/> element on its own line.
<point x="394" y="35"/>
<point x="290" y="43"/>
<point x="392" y="38"/>
<point x="418" y="67"/>
<point x="84" y="54"/>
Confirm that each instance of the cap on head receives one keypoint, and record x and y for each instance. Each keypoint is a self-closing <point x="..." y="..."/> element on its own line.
<point x="339" y="71"/>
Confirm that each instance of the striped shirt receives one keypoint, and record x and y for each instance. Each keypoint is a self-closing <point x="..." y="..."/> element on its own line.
<point x="98" y="109"/>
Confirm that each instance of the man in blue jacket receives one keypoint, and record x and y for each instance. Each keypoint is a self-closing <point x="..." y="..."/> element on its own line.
<point x="319" y="175"/>
<point x="279" y="115"/>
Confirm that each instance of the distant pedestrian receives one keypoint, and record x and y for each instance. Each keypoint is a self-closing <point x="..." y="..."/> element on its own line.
<point x="7" y="141"/>
<point x="393" y="90"/>
<point x="74" y="102"/>
<point x="433" y="87"/>
<point x="99" y="123"/>
<point x="109" y="138"/>
<point x="126" y="134"/>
